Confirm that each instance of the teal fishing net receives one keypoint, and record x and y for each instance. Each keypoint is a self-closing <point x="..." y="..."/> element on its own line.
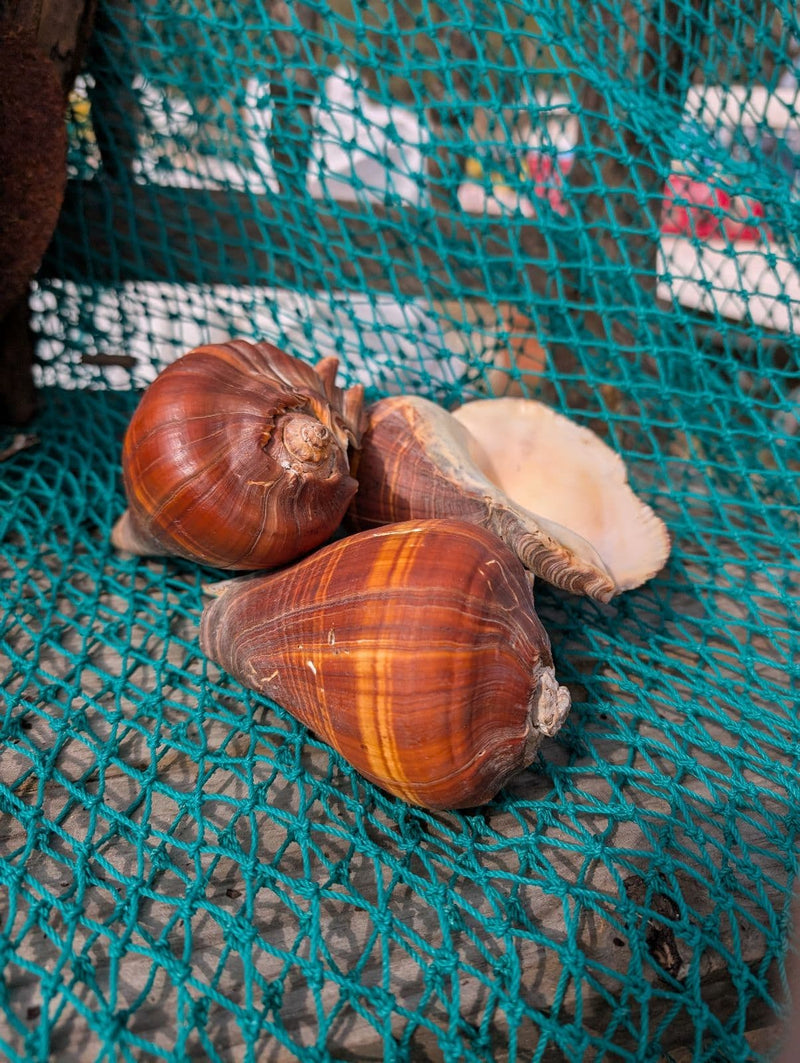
<point x="595" y="205"/>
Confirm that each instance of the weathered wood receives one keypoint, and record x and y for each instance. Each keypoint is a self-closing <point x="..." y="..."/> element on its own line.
<point x="616" y="183"/>
<point x="620" y="165"/>
<point x="117" y="116"/>
<point x="294" y="84"/>
<point x="340" y="246"/>
<point x="214" y="237"/>
<point x="451" y="113"/>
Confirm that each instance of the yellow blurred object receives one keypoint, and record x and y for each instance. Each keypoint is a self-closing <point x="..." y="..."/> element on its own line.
<point x="80" y="110"/>
<point x="473" y="169"/>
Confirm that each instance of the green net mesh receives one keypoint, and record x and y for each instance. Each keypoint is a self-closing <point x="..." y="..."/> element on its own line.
<point x="594" y="204"/>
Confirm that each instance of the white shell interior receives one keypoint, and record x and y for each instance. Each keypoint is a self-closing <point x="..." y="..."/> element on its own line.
<point x="564" y="472"/>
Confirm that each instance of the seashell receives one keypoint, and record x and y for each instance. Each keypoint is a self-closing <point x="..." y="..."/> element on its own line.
<point x="413" y="650"/>
<point x="553" y="491"/>
<point x="237" y="457"/>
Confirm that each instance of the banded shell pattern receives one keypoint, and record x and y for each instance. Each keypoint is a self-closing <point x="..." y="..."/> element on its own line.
<point x="238" y="456"/>
<point x="414" y="650"/>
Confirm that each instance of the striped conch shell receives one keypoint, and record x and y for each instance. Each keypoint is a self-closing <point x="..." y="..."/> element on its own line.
<point x="413" y="650"/>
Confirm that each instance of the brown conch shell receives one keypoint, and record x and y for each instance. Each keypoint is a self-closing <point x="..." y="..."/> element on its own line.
<point x="238" y="456"/>
<point x="550" y="489"/>
<point x="414" y="650"/>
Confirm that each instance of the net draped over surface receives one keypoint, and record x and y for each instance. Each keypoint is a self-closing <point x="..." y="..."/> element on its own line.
<point x="595" y="205"/>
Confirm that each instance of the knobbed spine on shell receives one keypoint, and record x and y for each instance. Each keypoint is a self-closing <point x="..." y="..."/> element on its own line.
<point x="238" y="456"/>
<point x="414" y="650"/>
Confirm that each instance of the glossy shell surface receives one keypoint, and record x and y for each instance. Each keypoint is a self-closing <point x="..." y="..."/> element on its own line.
<point x="564" y="473"/>
<point x="238" y="456"/>
<point x="414" y="650"/>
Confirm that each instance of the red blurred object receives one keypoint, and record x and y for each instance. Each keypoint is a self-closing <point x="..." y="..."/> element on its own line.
<point x="706" y="210"/>
<point x="543" y="168"/>
<point x="548" y="175"/>
<point x="746" y="220"/>
<point x="703" y="210"/>
<point x="693" y="208"/>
